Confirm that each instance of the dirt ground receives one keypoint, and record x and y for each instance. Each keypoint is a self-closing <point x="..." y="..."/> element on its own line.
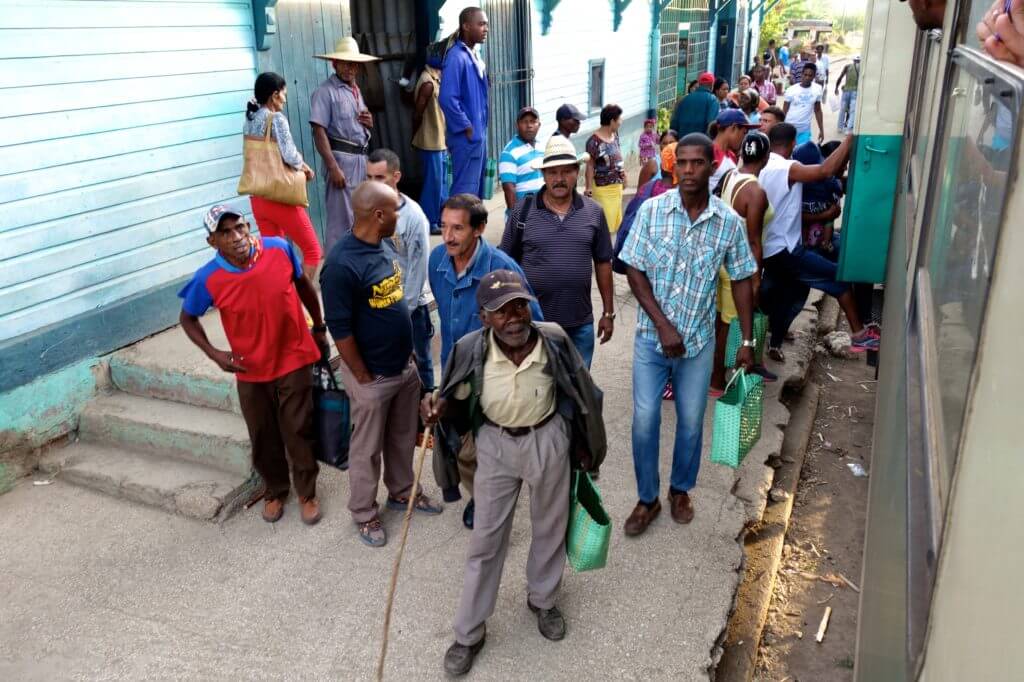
<point x="826" y="534"/>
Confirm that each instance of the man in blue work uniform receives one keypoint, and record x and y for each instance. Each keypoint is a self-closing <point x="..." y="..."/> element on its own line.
<point x="454" y="271"/>
<point x="463" y="100"/>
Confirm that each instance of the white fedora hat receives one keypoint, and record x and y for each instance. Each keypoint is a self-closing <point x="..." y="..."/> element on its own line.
<point x="347" y="50"/>
<point x="558" y="152"/>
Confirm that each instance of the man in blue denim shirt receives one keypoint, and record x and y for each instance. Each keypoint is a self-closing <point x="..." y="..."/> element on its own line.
<point x="673" y="252"/>
<point x="454" y="271"/>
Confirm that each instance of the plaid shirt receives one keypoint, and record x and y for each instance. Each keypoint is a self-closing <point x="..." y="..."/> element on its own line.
<point x="682" y="259"/>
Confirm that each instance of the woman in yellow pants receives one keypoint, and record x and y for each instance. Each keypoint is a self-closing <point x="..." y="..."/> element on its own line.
<point x="606" y="175"/>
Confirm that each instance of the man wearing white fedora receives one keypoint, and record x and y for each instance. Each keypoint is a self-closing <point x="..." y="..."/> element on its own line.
<point x="341" y="131"/>
<point x="560" y="238"/>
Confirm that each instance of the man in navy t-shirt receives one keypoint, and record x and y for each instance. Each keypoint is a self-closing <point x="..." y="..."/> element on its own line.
<point x="369" y="319"/>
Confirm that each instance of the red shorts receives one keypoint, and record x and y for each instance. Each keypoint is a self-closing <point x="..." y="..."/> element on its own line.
<point x="281" y="220"/>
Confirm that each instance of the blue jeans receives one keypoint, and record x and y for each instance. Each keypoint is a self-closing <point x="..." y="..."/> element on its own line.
<point x="435" y="189"/>
<point x="690" y="379"/>
<point x="583" y="338"/>
<point x="847" y="111"/>
<point x="422" y="332"/>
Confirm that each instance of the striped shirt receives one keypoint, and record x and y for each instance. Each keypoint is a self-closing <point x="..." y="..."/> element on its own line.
<point x="558" y="255"/>
<point x="514" y="167"/>
<point x="681" y="260"/>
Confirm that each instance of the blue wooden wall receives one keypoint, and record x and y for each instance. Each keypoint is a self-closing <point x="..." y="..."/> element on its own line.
<point x="120" y="125"/>
<point x="306" y="28"/>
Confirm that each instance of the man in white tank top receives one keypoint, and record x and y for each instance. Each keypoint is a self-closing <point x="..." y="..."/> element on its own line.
<point x="786" y="260"/>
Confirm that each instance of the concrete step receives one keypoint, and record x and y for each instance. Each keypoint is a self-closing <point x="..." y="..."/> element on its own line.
<point x="174" y="485"/>
<point x="161" y="427"/>
<point x="169" y="366"/>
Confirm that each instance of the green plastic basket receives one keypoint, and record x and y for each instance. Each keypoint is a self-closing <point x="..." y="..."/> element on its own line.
<point x="735" y="338"/>
<point x="737" y="424"/>
<point x="590" y="527"/>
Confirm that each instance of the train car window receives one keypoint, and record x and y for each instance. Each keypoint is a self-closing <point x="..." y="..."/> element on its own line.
<point x="966" y="208"/>
<point x="929" y="83"/>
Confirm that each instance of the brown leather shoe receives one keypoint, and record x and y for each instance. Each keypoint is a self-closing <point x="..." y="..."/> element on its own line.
<point x="681" y="508"/>
<point x="310" y="508"/>
<point x="641" y="517"/>
<point x="273" y="510"/>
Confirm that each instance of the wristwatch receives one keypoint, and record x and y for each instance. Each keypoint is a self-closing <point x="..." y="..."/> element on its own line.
<point x="610" y="316"/>
<point x="749" y="343"/>
<point x="318" y="328"/>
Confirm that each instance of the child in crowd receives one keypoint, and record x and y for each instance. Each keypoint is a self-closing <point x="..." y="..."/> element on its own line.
<point x="668" y="141"/>
<point x="820" y="205"/>
<point x="649" y="152"/>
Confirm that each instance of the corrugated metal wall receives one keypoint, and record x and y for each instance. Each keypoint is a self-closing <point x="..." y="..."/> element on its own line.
<point x="387" y="29"/>
<point x="306" y="28"/>
<point x="507" y="54"/>
<point x="121" y="125"/>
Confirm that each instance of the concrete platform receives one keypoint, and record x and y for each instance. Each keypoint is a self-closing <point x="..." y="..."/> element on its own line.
<point x="106" y="588"/>
<point x="209" y="437"/>
<point x="179" y="487"/>
<point x="170" y="367"/>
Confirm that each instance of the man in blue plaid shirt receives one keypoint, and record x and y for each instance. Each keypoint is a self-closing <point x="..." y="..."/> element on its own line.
<point x="673" y="253"/>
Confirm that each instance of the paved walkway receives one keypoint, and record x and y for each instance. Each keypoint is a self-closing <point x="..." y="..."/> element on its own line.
<point x="97" y="588"/>
<point x="100" y="588"/>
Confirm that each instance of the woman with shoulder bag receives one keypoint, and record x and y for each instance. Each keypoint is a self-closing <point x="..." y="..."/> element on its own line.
<point x="273" y="218"/>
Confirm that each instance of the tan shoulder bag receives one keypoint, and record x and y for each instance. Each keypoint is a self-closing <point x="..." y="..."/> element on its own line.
<point x="266" y="175"/>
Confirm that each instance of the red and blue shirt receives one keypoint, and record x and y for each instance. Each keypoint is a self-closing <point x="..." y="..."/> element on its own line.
<point x="259" y="308"/>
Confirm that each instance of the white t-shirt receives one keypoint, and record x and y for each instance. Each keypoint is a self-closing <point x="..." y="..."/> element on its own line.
<point x="724" y="166"/>
<point x="801" y="105"/>
<point x="822" y="63"/>
<point x="783" y="232"/>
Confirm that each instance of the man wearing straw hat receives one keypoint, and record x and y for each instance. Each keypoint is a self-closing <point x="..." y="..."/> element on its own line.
<point x="341" y="131"/>
<point x="524" y="391"/>
<point x="560" y="238"/>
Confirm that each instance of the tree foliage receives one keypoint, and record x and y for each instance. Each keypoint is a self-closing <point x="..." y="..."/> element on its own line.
<point x="773" y="27"/>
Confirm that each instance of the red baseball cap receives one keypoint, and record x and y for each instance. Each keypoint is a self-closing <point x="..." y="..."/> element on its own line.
<point x="706" y="78"/>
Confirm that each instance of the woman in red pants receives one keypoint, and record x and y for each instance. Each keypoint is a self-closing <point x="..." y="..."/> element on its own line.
<point x="275" y="219"/>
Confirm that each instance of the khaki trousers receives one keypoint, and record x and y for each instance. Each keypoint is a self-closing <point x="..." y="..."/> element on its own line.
<point x="384" y="418"/>
<point x="540" y="459"/>
<point x="279" y="416"/>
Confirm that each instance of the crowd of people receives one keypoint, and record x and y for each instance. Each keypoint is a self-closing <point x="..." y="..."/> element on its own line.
<point x="726" y="222"/>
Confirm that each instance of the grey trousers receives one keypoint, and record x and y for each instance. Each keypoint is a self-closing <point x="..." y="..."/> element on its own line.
<point x="384" y="419"/>
<point x="504" y="463"/>
<point x="339" y="201"/>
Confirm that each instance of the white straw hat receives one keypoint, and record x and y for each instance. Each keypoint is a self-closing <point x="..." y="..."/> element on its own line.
<point x="347" y="50"/>
<point x="559" y="152"/>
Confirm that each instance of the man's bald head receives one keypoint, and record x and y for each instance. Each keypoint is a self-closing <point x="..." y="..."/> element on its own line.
<point x="375" y="206"/>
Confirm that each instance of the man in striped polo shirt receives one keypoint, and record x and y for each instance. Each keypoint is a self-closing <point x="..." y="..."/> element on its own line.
<point x="515" y="170"/>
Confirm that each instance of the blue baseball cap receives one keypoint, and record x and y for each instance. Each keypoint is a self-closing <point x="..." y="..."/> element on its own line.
<point x="216" y="213"/>
<point x="734" y="117"/>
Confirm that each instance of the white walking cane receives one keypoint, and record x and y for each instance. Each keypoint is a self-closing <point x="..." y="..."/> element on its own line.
<point x="421" y="453"/>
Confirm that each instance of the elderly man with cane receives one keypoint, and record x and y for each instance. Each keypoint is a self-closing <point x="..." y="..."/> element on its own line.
<point x="522" y="388"/>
